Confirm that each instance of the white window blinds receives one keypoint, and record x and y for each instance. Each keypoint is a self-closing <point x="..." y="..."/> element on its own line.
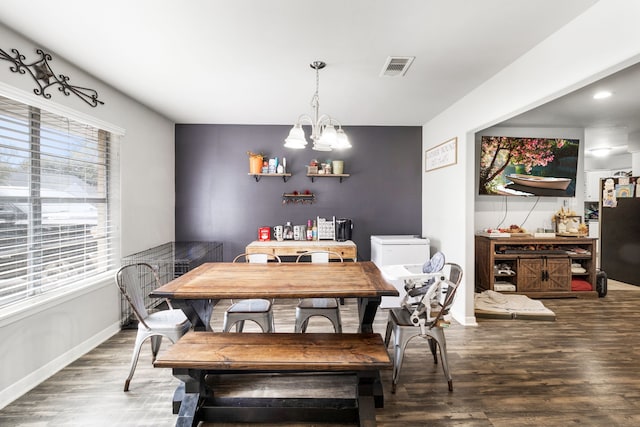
<point x="55" y="227"/>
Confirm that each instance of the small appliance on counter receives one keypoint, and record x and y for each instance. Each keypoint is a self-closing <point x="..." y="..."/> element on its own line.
<point x="326" y="228"/>
<point x="264" y="234"/>
<point x="344" y="229"/>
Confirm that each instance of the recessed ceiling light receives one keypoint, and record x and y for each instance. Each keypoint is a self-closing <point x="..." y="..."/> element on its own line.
<point x="602" y="94"/>
<point x="600" y="152"/>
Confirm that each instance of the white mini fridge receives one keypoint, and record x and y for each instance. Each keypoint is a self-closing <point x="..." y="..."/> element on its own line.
<point x="398" y="249"/>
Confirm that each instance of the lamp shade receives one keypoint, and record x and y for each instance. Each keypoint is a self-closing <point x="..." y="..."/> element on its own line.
<point x="329" y="136"/>
<point x="342" y="141"/>
<point x="296" y="138"/>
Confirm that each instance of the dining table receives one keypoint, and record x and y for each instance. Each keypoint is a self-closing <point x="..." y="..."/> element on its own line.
<point x="198" y="290"/>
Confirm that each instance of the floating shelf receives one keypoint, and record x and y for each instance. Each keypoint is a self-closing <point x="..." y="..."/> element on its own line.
<point x="298" y="198"/>
<point x="257" y="176"/>
<point x="327" y="175"/>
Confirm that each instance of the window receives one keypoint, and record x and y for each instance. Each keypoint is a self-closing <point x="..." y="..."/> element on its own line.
<point x="55" y="227"/>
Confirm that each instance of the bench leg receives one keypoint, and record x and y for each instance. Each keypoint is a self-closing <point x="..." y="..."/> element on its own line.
<point x="188" y="415"/>
<point x="369" y="397"/>
<point x="187" y="397"/>
<point x="366" y="411"/>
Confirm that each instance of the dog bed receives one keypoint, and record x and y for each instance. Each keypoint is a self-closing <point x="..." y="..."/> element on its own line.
<point x="495" y="305"/>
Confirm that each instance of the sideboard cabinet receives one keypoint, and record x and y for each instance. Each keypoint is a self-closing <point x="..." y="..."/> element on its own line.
<point x="536" y="267"/>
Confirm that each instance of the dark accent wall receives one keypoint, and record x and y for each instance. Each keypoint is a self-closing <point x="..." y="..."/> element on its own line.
<point x="217" y="200"/>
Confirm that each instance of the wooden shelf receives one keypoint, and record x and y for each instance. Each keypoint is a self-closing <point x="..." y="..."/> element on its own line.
<point x="257" y="176"/>
<point x="328" y="175"/>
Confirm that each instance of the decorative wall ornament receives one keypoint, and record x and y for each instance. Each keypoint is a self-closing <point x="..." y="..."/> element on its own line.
<point x="45" y="78"/>
<point x="445" y="154"/>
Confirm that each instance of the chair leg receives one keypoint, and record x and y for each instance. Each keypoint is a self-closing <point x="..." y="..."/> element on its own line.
<point x="433" y="346"/>
<point x="134" y="358"/>
<point x="397" y="365"/>
<point x="272" y="322"/>
<point x="156" y="341"/>
<point x="387" y="335"/>
<point x="400" y="344"/>
<point x="337" y="322"/>
<point x="301" y="323"/>
<point x="265" y="324"/>
<point x="438" y="337"/>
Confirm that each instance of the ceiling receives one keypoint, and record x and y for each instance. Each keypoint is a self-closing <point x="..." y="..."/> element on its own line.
<point x="247" y="61"/>
<point x="608" y="122"/>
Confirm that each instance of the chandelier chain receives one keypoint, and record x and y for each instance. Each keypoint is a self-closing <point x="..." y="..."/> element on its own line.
<point x="315" y="99"/>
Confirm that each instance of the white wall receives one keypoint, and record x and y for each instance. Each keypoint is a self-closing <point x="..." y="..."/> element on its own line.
<point x="36" y="343"/>
<point x="618" y="162"/>
<point x="597" y="43"/>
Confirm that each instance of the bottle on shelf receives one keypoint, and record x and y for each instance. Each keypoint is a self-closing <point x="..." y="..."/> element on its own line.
<point x="314" y="231"/>
<point x="288" y="231"/>
<point x="309" y="230"/>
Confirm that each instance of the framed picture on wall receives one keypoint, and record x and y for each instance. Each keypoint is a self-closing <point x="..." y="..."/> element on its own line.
<point x="442" y="155"/>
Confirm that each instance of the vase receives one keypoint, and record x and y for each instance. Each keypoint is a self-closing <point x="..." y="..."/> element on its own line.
<point x="255" y="164"/>
<point x="338" y="167"/>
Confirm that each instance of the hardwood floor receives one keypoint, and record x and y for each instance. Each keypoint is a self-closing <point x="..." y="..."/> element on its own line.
<point x="583" y="369"/>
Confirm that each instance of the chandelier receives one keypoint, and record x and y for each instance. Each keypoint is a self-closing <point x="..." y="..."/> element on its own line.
<point x="324" y="135"/>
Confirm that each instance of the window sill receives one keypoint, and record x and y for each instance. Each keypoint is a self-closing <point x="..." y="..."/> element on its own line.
<point x="23" y="309"/>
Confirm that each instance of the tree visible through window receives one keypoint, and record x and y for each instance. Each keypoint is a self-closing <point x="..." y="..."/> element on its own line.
<point x="54" y="201"/>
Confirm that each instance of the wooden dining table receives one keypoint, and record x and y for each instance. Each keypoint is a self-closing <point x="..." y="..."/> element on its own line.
<point x="198" y="291"/>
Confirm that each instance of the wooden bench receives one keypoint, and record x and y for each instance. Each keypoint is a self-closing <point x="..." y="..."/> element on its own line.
<point x="205" y="354"/>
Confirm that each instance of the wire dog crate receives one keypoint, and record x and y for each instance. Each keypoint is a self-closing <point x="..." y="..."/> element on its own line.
<point x="169" y="260"/>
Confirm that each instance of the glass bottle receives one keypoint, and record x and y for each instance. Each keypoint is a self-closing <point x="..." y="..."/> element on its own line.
<point x="309" y="230"/>
<point x="288" y="231"/>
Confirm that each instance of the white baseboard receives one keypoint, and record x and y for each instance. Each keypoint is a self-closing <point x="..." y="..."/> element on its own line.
<point x="22" y="386"/>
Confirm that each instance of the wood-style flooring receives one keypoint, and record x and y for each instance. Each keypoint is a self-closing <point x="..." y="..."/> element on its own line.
<point x="583" y="370"/>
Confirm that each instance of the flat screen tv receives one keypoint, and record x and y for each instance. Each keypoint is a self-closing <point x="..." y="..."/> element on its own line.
<point x="516" y="166"/>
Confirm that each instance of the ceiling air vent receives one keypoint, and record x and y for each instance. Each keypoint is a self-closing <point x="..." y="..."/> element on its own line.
<point x="396" y="66"/>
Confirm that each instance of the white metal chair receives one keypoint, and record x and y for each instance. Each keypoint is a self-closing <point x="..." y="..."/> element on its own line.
<point x="326" y="307"/>
<point x="171" y="323"/>
<point x="257" y="310"/>
<point x="425" y="319"/>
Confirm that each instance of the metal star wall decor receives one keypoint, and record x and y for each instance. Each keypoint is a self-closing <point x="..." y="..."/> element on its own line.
<point x="45" y="78"/>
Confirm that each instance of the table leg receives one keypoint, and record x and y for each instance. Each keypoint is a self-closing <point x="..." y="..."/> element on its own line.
<point x="198" y="311"/>
<point x="367" y="309"/>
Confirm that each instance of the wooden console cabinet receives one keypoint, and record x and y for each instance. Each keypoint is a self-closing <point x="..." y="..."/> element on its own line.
<point x="536" y="267"/>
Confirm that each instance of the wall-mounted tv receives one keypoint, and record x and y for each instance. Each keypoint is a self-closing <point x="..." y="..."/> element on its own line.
<point x="516" y="166"/>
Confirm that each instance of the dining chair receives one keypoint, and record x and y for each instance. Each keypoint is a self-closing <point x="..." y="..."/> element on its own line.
<point x="425" y="319"/>
<point x="325" y="307"/>
<point x="171" y="323"/>
<point x="257" y="310"/>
